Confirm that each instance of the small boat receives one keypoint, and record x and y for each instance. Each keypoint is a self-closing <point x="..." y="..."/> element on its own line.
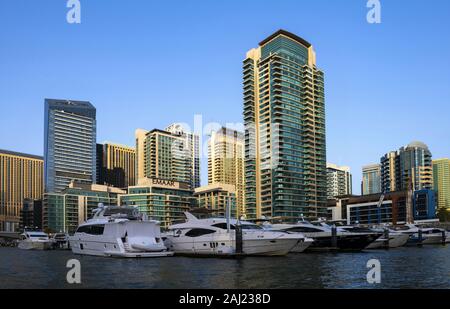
<point x="60" y="241"/>
<point x="217" y="237"/>
<point x="119" y="231"/>
<point x="34" y="240"/>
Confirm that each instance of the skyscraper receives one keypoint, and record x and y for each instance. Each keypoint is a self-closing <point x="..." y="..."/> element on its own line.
<point x="163" y="155"/>
<point x="21" y="177"/>
<point x="410" y="165"/>
<point x="441" y="175"/>
<point x="284" y="115"/>
<point x="226" y="163"/>
<point x="339" y="181"/>
<point x="117" y="165"/>
<point x="193" y="149"/>
<point x="70" y="143"/>
<point x="371" y="179"/>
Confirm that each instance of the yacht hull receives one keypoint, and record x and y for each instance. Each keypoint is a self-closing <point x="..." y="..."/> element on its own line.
<point x="33" y="245"/>
<point x="302" y="245"/>
<point x="395" y="241"/>
<point x="224" y="246"/>
<point x="356" y="242"/>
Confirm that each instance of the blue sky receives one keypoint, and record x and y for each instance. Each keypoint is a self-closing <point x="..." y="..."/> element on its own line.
<point x="146" y="64"/>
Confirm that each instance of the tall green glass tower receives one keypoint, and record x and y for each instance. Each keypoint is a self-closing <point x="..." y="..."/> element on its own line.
<point x="284" y="115"/>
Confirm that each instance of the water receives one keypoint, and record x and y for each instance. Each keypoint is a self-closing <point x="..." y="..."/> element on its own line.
<point x="427" y="267"/>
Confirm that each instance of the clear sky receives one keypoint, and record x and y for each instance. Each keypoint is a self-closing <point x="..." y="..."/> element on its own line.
<point x="146" y="64"/>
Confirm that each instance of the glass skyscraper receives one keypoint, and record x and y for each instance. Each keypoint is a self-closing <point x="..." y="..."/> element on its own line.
<point x="371" y="179"/>
<point x="70" y="144"/>
<point x="284" y="115"/>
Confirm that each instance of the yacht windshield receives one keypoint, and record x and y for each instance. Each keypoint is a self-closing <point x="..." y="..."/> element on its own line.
<point x="129" y="212"/>
<point x="37" y="235"/>
<point x="250" y="227"/>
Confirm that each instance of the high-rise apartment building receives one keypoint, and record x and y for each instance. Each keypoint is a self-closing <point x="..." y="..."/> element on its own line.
<point x="117" y="165"/>
<point x="409" y="167"/>
<point x="226" y="163"/>
<point x="163" y="155"/>
<point x="371" y="179"/>
<point x="284" y="115"/>
<point x="193" y="150"/>
<point x="339" y="181"/>
<point x="21" y="178"/>
<point x="70" y="143"/>
<point x="441" y="175"/>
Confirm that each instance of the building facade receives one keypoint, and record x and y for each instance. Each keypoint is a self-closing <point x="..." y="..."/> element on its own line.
<point x="216" y="197"/>
<point x="116" y="165"/>
<point x="371" y="179"/>
<point x="226" y="150"/>
<point x="408" y="168"/>
<point x="163" y="155"/>
<point x="367" y="209"/>
<point x="339" y="181"/>
<point x="21" y="178"/>
<point x="161" y="199"/>
<point x="284" y="116"/>
<point x="193" y="149"/>
<point x="441" y="183"/>
<point x="70" y="143"/>
<point x="31" y="214"/>
<point x="63" y="212"/>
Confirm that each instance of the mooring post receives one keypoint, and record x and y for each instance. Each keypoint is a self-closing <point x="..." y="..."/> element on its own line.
<point x="334" y="237"/>
<point x="443" y="237"/>
<point x="386" y="238"/>
<point x="420" y="237"/>
<point x="239" y="239"/>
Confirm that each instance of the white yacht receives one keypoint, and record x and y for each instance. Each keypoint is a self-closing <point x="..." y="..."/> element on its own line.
<point x="392" y="240"/>
<point x="423" y="236"/>
<point x="322" y="235"/>
<point x="34" y="240"/>
<point x="119" y="232"/>
<point x="301" y="246"/>
<point x="214" y="236"/>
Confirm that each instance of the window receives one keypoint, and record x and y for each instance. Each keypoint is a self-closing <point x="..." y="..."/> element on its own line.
<point x="199" y="232"/>
<point x="303" y="229"/>
<point x="91" y="229"/>
<point x="251" y="227"/>
<point x="223" y="226"/>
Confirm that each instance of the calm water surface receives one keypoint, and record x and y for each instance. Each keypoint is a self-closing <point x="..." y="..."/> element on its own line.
<point x="427" y="267"/>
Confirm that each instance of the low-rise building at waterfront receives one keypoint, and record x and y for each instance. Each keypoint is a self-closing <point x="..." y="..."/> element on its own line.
<point x="31" y="214"/>
<point x="393" y="209"/>
<point x="161" y="199"/>
<point x="63" y="212"/>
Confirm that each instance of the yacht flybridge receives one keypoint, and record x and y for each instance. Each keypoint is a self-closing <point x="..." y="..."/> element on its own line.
<point x="119" y="232"/>
<point x="227" y="237"/>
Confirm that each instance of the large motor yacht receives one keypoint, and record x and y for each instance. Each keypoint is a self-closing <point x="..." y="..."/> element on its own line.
<point x="119" y="231"/>
<point x="217" y="236"/>
<point x="322" y="234"/>
<point x="389" y="238"/>
<point x="34" y="240"/>
<point x="423" y="236"/>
